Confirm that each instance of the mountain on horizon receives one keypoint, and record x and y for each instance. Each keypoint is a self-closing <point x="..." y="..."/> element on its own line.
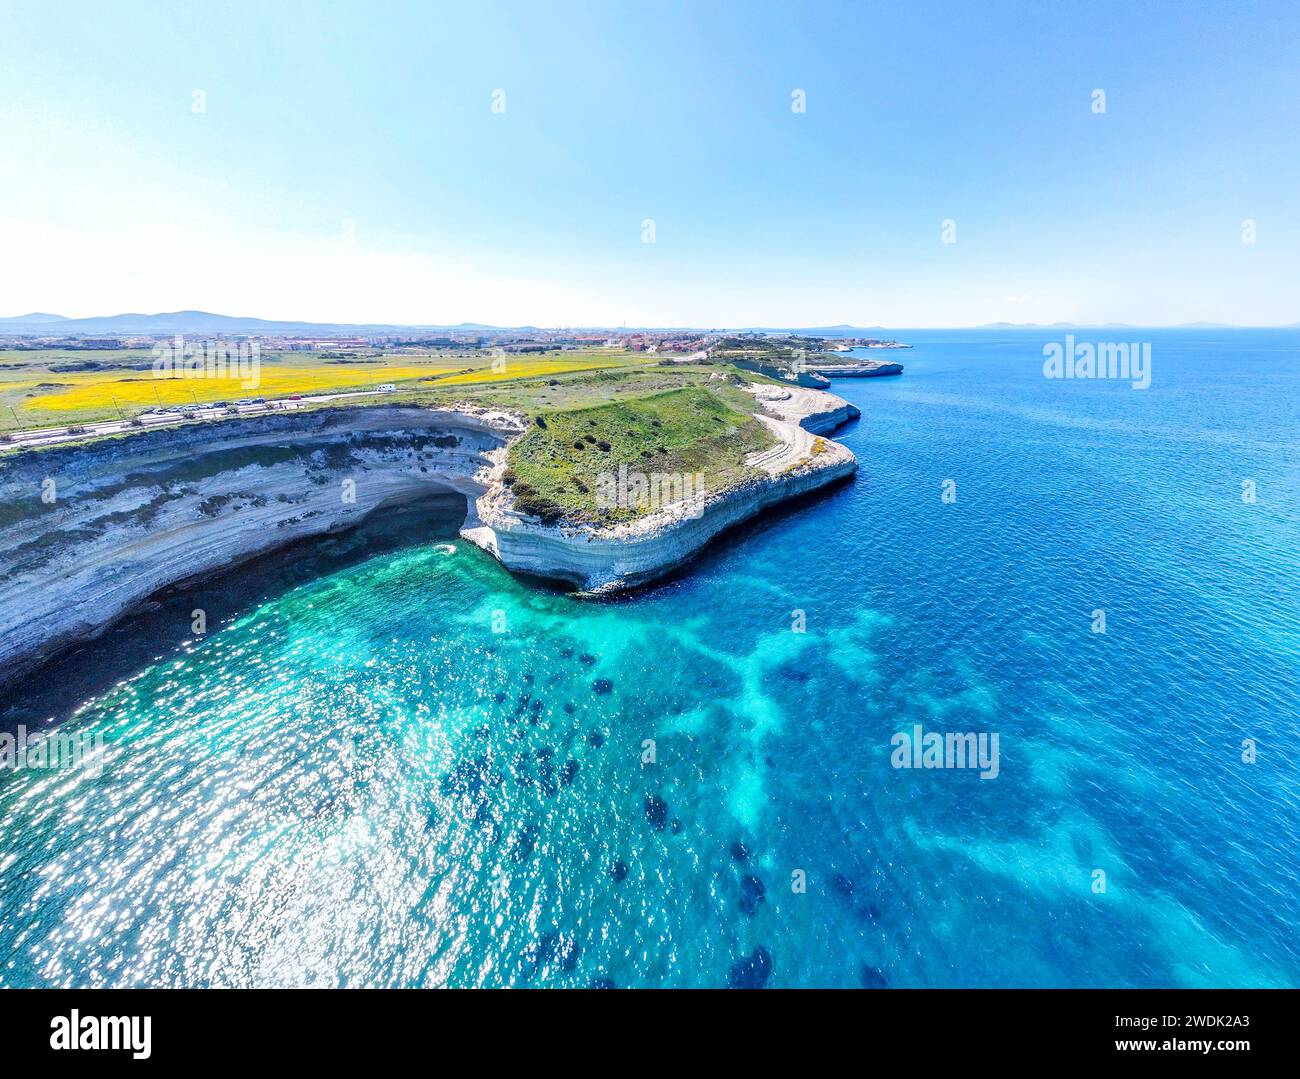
<point x="34" y="317"/>
<point x="169" y="322"/>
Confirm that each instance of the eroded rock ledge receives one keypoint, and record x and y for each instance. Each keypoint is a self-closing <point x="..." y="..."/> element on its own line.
<point x="87" y="533"/>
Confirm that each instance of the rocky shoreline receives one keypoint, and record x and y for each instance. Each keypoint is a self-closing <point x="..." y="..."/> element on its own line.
<point x="89" y="532"/>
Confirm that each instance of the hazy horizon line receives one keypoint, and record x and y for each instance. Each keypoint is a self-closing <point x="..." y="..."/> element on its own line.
<point x="15" y="324"/>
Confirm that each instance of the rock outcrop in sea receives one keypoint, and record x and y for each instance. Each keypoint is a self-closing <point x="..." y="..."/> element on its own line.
<point x="859" y="369"/>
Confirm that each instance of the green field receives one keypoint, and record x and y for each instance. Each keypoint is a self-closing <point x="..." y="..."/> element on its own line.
<point x="556" y="469"/>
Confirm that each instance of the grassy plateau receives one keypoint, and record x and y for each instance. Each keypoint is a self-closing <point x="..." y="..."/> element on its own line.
<point x="693" y="431"/>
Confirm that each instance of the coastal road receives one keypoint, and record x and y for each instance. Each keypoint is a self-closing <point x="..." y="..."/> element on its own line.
<point x="50" y="436"/>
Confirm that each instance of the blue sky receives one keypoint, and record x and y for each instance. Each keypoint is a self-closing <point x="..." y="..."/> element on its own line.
<point x="347" y="165"/>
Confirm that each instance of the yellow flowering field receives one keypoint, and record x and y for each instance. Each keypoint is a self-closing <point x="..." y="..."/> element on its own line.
<point x="34" y="393"/>
<point x="99" y="390"/>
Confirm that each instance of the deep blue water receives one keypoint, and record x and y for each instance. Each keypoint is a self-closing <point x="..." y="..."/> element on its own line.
<point x="355" y="781"/>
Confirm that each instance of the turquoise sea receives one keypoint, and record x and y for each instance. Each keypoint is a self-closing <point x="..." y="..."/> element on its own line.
<point x="353" y="780"/>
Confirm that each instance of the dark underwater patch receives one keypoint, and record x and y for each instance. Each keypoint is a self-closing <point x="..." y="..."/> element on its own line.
<point x="656" y="811"/>
<point x="873" y="978"/>
<point x="752" y="971"/>
<point x="752" y="894"/>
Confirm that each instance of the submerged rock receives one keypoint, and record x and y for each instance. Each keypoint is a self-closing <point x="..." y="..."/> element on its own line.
<point x="739" y="851"/>
<point x="567" y="950"/>
<point x="602" y="686"/>
<point x="752" y="893"/>
<point x="873" y="978"/>
<point x="546" y="770"/>
<point x="470" y="777"/>
<point x="618" y="871"/>
<point x="553" y="947"/>
<point x="751" y="972"/>
<point x="656" y="811"/>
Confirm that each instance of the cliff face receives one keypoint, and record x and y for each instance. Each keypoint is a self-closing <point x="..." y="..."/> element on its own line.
<point x="88" y="532"/>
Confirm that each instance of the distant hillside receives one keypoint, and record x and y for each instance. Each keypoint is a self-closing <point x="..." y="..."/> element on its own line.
<point x="203" y="322"/>
<point x="34" y="317"/>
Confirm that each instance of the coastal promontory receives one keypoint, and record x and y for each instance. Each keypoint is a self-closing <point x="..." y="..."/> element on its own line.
<point x="598" y="483"/>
